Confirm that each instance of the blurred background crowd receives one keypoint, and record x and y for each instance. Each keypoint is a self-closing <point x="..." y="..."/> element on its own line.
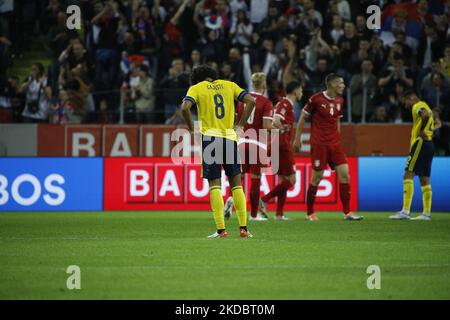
<point x="131" y="59"/>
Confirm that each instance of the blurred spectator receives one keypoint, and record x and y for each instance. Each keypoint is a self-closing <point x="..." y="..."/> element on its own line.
<point x="237" y="67"/>
<point x="37" y="95"/>
<point x="379" y="115"/>
<point x="10" y="99"/>
<point x="226" y="72"/>
<point x="445" y="61"/>
<point x="394" y="105"/>
<point x="363" y="83"/>
<point x="143" y="96"/>
<point x="105" y="27"/>
<point x="172" y="39"/>
<point x="441" y="136"/>
<point x="292" y="70"/>
<point x="402" y="47"/>
<point x="50" y="15"/>
<point x="269" y="24"/>
<point x="174" y="87"/>
<point x="74" y="55"/>
<point x="343" y="9"/>
<point x="377" y="53"/>
<point x="195" y="60"/>
<point x="146" y="41"/>
<point x="316" y="49"/>
<point x="347" y="44"/>
<point x="258" y="10"/>
<point x="214" y="48"/>
<point x="317" y="77"/>
<point x="361" y="27"/>
<point x="436" y="92"/>
<point x="431" y="47"/>
<point x="235" y="7"/>
<point x="337" y="30"/>
<point x="59" y="39"/>
<point x="75" y="84"/>
<point x="241" y="32"/>
<point x="394" y="73"/>
<point x="359" y="56"/>
<point x="312" y="17"/>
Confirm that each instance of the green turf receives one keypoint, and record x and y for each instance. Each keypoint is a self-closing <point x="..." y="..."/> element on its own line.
<point x="135" y="255"/>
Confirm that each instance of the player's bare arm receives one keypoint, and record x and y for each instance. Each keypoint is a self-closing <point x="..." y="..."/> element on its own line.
<point x="187" y="116"/>
<point x="425" y="115"/>
<point x="267" y="124"/>
<point x="276" y="123"/>
<point x="250" y="103"/>
<point x="277" y="126"/>
<point x="301" y="123"/>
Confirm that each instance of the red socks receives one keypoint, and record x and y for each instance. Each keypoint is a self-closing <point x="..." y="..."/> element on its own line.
<point x="279" y="191"/>
<point x="311" y="198"/>
<point x="280" y="202"/>
<point x="344" y="191"/>
<point x="254" y="196"/>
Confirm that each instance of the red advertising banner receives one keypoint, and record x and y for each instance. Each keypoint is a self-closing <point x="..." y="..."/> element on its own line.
<point x="153" y="184"/>
<point x="120" y="141"/>
<point x="83" y="141"/>
<point x="156" y="140"/>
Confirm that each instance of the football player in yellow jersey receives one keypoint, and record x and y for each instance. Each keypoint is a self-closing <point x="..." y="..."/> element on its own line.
<point x="215" y="100"/>
<point x="420" y="157"/>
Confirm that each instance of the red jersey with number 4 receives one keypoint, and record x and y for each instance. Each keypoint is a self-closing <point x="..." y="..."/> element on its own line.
<point x="325" y="113"/>
<point x="285" y="110"/>
<point x="263" y="110"/>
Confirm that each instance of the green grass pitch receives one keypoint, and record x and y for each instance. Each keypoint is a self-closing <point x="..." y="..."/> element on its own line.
<point x="157" y="255"/>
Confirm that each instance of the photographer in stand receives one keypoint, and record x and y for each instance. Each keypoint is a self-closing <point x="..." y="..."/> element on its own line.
<point x="37" y="95"/>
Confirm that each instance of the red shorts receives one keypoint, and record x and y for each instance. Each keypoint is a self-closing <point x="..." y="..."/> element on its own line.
<point x="287" y="163"/>
<point x="323" y="155"/>
<point x="253" y="158"/>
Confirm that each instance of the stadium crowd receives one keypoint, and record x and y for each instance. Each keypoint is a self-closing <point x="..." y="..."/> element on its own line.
<point x="138" y="54"/>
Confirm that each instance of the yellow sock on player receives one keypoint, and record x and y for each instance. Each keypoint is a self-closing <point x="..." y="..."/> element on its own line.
<point x="408" y="193"/>
<point x="426" y="198"/>
<point x="217" y="205"/>
<point x="240" y="204"/>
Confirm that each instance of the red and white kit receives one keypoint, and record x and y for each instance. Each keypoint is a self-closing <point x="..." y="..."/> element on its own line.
<point x="326" y="147"/>
<point x="263" y="110"/>
<point x="285" y="110"/>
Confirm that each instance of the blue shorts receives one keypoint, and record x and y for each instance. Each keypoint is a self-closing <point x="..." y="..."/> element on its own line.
<point x="218" y="152"/>
<point x="420" y="158"/>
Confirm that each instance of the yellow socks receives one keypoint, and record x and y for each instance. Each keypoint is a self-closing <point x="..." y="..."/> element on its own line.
<point x="426" y="198"/>
<point x="408" y="193"/>
<point x="240" y="204"/>
<point x="216" y="200"/>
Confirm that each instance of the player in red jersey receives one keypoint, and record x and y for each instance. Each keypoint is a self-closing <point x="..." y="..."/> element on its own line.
<point x="325" y="110"/>
<point x="260" y="118"/>
<point x="283" y="119"/>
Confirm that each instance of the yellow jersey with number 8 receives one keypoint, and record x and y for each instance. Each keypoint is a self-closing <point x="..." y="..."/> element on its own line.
<point x="417" y="123"/>
<point x="215" y="105"/>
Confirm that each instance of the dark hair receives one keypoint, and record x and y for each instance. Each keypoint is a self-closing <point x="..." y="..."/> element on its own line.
<point x="144" y="68"/>
<point x="331" y="77"/>
<point x="292" y="86"/>
<point x="201" y="73"/>
<point x="408" y="93"/>
<point x="40" y="68"/>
